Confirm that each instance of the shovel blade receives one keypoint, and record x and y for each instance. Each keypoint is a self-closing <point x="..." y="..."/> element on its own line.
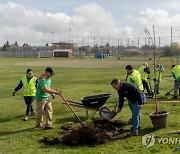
<point x="112" y="115"/>
<point x="167" y="94"/>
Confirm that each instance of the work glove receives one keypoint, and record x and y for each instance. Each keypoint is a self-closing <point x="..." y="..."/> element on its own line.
<point x="119" y="110"/>
<point x="57" y="92"/>
<point x="14" y="93"/>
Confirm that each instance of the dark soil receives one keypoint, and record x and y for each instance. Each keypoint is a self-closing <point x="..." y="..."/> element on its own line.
<point x="98" y="132"/>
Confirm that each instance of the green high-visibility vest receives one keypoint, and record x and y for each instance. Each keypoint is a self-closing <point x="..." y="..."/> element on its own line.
<point x="135" y="78"/>
<point x="176" y="72"/>
<point x="144" y="75"/>
<point x="29" y="89"/>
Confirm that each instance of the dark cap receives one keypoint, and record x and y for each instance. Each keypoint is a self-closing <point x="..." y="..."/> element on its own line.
<point x="50" y="70"/>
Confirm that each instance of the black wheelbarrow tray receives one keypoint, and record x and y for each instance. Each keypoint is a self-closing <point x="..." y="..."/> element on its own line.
<point x="94" y="103"/>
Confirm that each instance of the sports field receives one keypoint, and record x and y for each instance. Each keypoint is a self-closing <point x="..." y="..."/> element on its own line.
<point x="77" y="78"/>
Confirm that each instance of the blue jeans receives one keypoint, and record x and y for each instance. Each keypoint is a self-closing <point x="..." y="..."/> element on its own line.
<point x="29" y="100"/>
<point x="136" y="114"/>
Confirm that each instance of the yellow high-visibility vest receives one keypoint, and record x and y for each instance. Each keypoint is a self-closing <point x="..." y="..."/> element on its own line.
<point x="135" y="78"/>
<point x="176" y="72"/>
<point x="144" y="75"/>
<point x="29" y="89"/>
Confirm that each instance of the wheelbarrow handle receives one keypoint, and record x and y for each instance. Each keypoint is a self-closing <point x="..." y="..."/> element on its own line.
<point x="71" y="109"/>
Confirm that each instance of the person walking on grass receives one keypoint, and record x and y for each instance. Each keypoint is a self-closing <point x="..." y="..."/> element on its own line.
<point x="43" y="102"/>
<point x="136" y="99"/>
<point x="29" y="83"/>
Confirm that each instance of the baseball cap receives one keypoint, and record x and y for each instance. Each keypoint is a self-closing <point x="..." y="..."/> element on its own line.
<point x="50" y="70"/>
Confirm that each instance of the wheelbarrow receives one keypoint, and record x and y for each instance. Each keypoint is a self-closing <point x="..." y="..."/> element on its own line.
<point x="94" y="103"/>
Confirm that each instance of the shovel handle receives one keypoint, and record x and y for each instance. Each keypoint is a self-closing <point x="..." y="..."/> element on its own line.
<point x="71" y="109"/>
<point x="126" y="77"/>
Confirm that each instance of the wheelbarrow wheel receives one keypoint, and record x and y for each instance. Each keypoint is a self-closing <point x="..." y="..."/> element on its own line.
<point x="104" y="112"/>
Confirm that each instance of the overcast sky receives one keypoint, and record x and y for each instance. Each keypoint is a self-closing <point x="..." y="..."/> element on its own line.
<point x="33" y="21"/>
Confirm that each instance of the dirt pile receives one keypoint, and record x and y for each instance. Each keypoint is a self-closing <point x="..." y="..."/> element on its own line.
<point x="98" y="132"/>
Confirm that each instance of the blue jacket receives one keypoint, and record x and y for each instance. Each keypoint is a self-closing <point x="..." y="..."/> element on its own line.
<point x="131" y="92"/>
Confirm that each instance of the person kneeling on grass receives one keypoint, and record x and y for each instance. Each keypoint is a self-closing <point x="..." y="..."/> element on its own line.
<point x="136" y="100"/>
<point x="28" y="83"/>
<point x="43" y="102"/>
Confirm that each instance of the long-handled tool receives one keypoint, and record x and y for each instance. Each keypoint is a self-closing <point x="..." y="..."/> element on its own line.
<point x="114" y="112"/>
<point x="126" y="77"/>
<point x="152" y="94"/>
<point x="72" y="109"/>
<point x="169" y="92"/>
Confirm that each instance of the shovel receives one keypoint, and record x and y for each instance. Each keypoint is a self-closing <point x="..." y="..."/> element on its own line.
<point x="72" y="109"/>
<point x="113" y="112"/>
<point x="106" y="113"/>
<point x="152" y="94"/>
<point x="169" y="92"/>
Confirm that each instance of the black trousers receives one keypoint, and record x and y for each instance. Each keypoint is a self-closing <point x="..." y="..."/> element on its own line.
<point x="29" y="100"/>
<point x="146" y="86"/>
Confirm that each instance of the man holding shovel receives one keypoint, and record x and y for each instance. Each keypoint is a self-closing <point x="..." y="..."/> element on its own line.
<point x="176" y="75"/>
<point x="136" y="99"/>
<point x="42" y="96"/>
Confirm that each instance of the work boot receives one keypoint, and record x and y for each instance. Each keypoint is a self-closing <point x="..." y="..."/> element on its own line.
<point x="174" y="97"/>
<point x="25" y="118"/>
<point x="32" y="113"/>
<point x="132" y="134"/>
<point x="48" y="127"/>
<point x="39" y="126"/>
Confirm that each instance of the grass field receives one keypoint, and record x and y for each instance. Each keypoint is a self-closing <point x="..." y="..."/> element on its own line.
<point x="75" y="78"/>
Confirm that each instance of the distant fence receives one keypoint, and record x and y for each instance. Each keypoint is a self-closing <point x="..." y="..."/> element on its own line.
<point x="26" y="52"/>
<point x="40" y="54"/>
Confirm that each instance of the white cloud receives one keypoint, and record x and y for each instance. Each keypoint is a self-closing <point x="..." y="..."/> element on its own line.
<point x="21" y="24"/>
<point x="161" y="19"/>
<point x="176" y="4"/>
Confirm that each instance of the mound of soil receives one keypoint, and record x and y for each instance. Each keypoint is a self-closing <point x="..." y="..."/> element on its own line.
<point x="98" y="132"/>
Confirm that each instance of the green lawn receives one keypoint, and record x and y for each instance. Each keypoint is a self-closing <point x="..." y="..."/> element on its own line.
<point x="17" y="136"/>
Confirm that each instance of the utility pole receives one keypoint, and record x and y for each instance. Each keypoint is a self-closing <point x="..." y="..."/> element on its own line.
<point x="118" y="48"/>
<point x="70" y="35"/>
<point x="171" y="35"/>
<point x="128" y="42"/>
<point x="138" y="48"/>
<point x="121" y="47"/>
<point x="52" y="36"/>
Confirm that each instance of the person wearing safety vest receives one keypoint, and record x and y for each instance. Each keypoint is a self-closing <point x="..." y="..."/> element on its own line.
<point x="134" y="77"/>
<point x="28" y="83"/>
<point x="145" y="71"/>
<point x="159" y="69"/>
<point x="43" y="102"/>
<point x="176" y="75"/>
